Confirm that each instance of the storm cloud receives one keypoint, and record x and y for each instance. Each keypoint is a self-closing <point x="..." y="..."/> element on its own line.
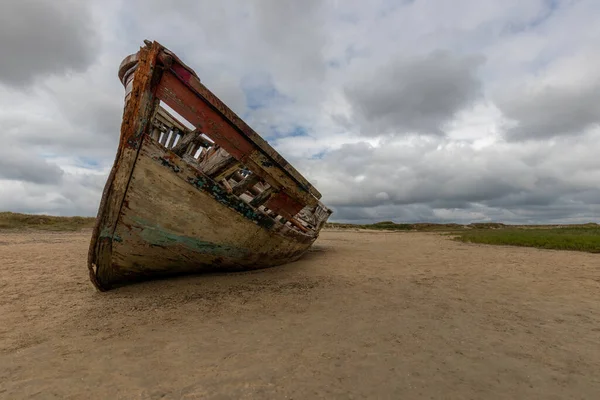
<point x="414" y="95"/>
<point x="553" y="110"/>
<point x="18" y="165"/>
<point x="409" y="111"/>
<point x="42" y="37"/>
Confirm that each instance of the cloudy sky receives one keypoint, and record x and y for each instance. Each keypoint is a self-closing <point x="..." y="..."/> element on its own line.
<point x="423" y="110"/>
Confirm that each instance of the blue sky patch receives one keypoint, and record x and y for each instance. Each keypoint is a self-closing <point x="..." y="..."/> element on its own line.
<point x="260" y="91"/>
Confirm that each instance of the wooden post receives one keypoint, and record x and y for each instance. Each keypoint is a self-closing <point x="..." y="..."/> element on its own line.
<point x="190" y="142"/>
<point x="262" y="198"/>
<point x="183" y="144"/>
<point x="237" y="177"/>
<point x="155" y="133"/>
<point x="164" y="138"/>
<point x="219" y="162"/>
<point x="245" y="184"/>
<point x="227" y="185"/>
<point x="173" y="138"/>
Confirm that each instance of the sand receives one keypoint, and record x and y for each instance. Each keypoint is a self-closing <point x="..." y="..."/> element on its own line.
<point x="363" y="315"/>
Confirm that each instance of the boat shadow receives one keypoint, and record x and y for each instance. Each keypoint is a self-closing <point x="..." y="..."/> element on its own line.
<point x="302" y="270"/>
<point x="282" y="289"/>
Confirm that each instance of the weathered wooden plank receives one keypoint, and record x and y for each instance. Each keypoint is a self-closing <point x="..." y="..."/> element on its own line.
<point x="164" y="138"/>
<point x="245" y="184"/>
<point x="203" y="154"/>
<point x="277" y="178"/>
<point x="227" y="185"/>
<point x="185" y="102"/>
<point x="167" y="119"/>
<point x="155" y="133"/>
<point x="217" y="162"/>
<point x="321" y="213"/>
<point x="283" y="204"/>
<point x="184" y="143"/>
<point x="237" y="177"/>
<point x="172" y="139"/>
<point x="298" y="225"/>
<point x="262" y="197"/>
<point x="228" y="171"/>
<point x="192" y="139"/>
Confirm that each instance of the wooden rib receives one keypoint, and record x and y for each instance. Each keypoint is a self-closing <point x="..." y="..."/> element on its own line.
<point x="193" y="138"/>
<point x="210" y="152"/>
<point x="237" y="177"/>
<point x="167" y="119"/>
<point x="298" y="225"/>
<point x="245" y="184"/>
<point x="217" y="162"/>
<point x="172" y="140"/>
<point x="163" y="140"/>
<point x="227" y="171"/>
<point x="202" y="155"/>
<point x="262" y="198"/>
<point x="227" y="186"/>
<point x="181" y="148"/>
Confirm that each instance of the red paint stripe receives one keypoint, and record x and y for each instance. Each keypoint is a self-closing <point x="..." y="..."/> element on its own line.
<point x="185" y="102"/>
<point x="282" y="203"/>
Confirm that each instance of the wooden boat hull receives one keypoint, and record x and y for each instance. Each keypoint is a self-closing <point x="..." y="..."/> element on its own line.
<point x="170" y="209"/>
<point x="173" y="221"/>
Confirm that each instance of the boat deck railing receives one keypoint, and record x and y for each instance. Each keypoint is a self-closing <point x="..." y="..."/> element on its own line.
<point x="193" y="123"/>
<point x="199" y="150"/>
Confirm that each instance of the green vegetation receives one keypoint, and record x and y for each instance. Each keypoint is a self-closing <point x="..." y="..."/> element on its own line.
<point x="9" y="220"/>
<point x="580" y="237"/>
<point x="583" y="237"/>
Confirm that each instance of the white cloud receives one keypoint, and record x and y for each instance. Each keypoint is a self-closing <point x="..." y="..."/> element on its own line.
<point x="40" y="37"/>
<point x="415" y="111"/>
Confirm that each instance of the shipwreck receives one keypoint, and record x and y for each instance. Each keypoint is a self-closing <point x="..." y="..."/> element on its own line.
<point x="193" y="188"/>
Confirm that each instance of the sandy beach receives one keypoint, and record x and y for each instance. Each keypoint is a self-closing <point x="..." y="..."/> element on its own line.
<point x="362" y="315"/>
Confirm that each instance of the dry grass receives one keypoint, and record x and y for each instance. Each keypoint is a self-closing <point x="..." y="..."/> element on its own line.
<point x="392" y="226"/>
<point x="9" y="220"/>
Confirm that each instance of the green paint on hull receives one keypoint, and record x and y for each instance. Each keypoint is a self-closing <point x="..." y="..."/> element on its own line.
<point x="105" y="233"/>
<point x="157" y="236"/>
<point x="207" y="185"/>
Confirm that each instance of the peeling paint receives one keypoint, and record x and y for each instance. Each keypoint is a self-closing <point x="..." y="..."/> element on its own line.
<point x="167" y="163"/>
<point x="158" y="236"/>
<point x="106" y="234"/>
<point x="222" y="196"/>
